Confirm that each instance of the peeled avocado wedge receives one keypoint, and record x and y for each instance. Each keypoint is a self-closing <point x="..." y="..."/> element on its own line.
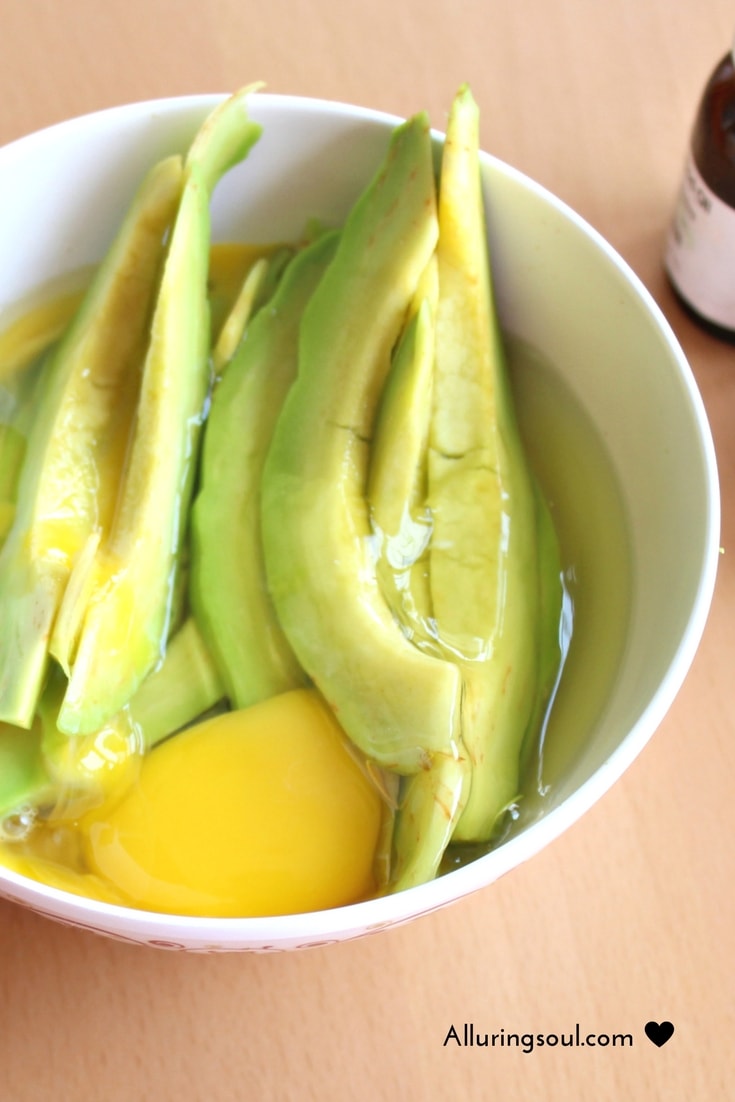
<point x="228" y="592"/>
<point x="486" y="560"/>
<point x="32" y="334"/>
<point x="432" y="799"/>
<point x="257" y="287"/>
<point x="24" y="356"/>
<point x="69" y="481"/>
<point x="12" y="451"/>
<point x="50" y="776"/>
<point x="493" y="570"/>
<point x="396" y="488"/>
<point x="397" y="704"/>
<point x="127" y="612"/>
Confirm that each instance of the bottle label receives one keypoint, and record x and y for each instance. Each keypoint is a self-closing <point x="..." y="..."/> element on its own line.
<point x="700" y="250"/>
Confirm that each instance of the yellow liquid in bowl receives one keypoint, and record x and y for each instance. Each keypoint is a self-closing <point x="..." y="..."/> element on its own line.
<point x="268" y="811"/>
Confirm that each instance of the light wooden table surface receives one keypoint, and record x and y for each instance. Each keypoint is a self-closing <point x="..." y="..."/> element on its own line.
<point x="628" y="917"/>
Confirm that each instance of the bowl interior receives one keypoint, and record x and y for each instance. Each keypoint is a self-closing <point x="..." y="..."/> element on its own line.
<point x="560" y="287"/>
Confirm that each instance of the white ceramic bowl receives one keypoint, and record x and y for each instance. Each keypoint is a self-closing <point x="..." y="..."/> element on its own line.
<point x="560" y="287"/>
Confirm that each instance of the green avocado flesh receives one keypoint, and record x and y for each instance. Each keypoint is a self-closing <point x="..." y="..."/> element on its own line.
<point x="396" y="480"/>
<point x="485" y="566"/>
<point x="230" y="601"/>
<point x="126" y="623"/>
<point x="309" y="474"/>
<point x="482" y="555"/>
<point x="68" y="484"/>
<point x="397" y="704"/>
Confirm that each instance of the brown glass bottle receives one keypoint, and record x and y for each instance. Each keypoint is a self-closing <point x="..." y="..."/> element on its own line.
<point x="700" y="251"/>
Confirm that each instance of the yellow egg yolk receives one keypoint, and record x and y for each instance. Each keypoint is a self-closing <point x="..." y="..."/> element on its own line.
<point x="263" y="811"/>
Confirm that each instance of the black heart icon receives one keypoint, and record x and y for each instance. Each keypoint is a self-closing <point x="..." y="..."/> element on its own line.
<point x="659" y="1032"/>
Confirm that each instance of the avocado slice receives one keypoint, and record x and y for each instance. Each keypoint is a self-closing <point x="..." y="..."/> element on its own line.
<point x="48" y="775"/>
<point x="397" y="473"/>
<point x="12" y="452"/>
<point x="78" y="437"/>
<point x="24" y="782"/>
<point x="257" y="287"/>
<point x="236" y="321"/>
<point x="397" y="704"/>
<point x="431" y="803"/>
<point x="228" y="589"/>
<point x="127" y="618"/>
<point x="184" y="687"/>
<point x="30" y="335"/>
<point x="87" y="770"/>
<point x="230" y="264"/>
<point x="18" y="397"/>
<point x="484" y="559"/>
